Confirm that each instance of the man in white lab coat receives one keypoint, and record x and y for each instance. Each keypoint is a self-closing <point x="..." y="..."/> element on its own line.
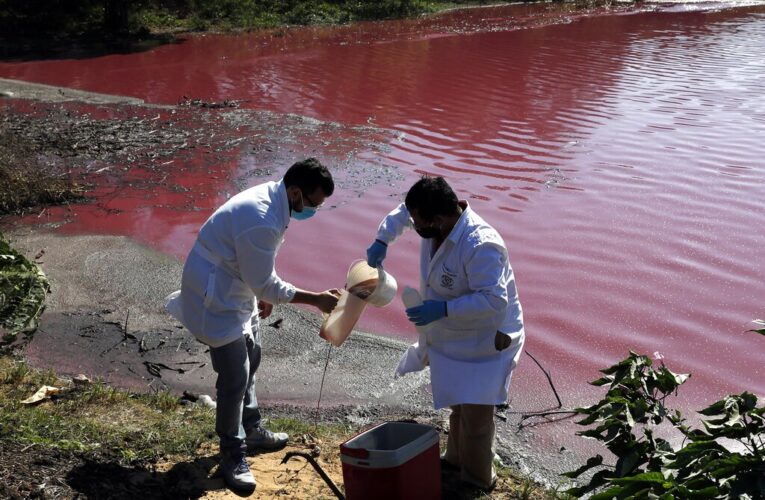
<point x="227" y="275"/>
<point x="474" y="333"/>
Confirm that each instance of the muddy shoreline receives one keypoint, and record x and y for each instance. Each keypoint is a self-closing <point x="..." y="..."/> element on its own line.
<point x="105" y="313"/>
<point x="104" y="317"/>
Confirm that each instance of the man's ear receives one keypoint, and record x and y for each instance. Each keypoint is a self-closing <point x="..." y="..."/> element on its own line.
<point x="293" y="192"/>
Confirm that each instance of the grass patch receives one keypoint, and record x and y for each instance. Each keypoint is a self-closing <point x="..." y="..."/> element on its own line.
<point x="133" y="428"/>
<point x="99" y="418"/>
<point x="296" y="428"/>
<point x="136" y="429"/>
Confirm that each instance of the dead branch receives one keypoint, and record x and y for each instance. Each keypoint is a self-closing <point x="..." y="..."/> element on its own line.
<point x="549" y="378"/>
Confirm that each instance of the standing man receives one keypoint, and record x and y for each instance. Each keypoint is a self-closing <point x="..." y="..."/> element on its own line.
<point x="475" y="322"/>
<point x="230" y="272"/>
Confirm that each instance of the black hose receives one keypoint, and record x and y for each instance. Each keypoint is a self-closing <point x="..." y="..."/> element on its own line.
<point x="324" y="476"/>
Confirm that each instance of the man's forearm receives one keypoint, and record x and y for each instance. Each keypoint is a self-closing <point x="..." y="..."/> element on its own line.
<point x="306" y="297"/>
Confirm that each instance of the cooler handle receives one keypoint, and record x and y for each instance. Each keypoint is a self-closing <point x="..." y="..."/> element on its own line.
<point x="354" y="452"/>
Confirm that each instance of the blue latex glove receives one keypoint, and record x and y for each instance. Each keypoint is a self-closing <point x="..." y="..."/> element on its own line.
<point x="428" y="312"/>
<point x="376" y="253"/>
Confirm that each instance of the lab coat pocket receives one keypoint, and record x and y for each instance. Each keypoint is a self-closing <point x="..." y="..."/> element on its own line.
<point x="210" y="289"/>
<point x="457" y="382"/>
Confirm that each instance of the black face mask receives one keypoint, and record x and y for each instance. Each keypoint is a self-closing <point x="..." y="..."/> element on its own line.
<point x="428" y="232"/>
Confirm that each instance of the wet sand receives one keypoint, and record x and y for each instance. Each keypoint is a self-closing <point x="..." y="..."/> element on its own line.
<point x="100" y="284"/>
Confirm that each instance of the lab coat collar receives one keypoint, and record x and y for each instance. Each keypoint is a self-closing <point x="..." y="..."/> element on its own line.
<point x="459" y="228"/>
<point x="453" y="239"/>
<point x="282" y="201"/>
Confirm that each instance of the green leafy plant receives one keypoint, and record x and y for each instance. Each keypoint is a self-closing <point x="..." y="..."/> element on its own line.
<point x="23" y="287"/>
<point x="759" y="322"/>
<point x="723" y="459"/>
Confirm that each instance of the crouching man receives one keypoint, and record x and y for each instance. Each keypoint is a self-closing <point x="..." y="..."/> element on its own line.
<point x="228" y="273"/>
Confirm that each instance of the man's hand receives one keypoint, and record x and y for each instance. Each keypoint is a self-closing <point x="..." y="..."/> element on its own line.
<point x="264" y="309"/>
<point x="376" y="253"/>
<point x="428" y="312"/>
<point x="327" y="300"/>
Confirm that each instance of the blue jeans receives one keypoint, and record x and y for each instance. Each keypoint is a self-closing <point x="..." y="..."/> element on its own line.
<point x="237" y="406"/>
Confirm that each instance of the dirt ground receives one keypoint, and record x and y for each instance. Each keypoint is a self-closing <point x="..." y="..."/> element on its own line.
<point x="39" y="472"/>
<point x="50" y="473"/>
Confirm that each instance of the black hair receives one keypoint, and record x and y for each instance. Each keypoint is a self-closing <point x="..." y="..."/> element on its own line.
<point x="308" y="175"/>
<point x="432" y="196"/>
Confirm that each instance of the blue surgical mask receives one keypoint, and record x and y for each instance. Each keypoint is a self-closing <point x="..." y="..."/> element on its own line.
<point x="304" y="214"/>
<point x="307" y="213"/>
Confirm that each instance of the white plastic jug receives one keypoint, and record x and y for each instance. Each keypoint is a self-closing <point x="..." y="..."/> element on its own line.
<point x="415" y="358"/>
<point x="340" y="322"/>
<point x="411" y="298"/>
<point x="364" y="285"/>
<point x="374" y="285"/>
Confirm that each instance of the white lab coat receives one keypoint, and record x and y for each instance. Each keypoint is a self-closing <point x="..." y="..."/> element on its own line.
<point x="231" y="266"/>
<point x="472" y="273"/>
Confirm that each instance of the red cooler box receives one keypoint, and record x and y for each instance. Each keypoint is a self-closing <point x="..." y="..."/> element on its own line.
<point x="393" y="461"/>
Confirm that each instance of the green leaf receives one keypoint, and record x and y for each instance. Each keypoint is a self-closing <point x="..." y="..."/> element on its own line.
<point x="591" y="462"/>
<point x="668" y="381"/>
<point x="23" y="289"/>
<point x="628" y="416"/>
<point x="747" y="401"/>
<point x="645" y="477"/>
<point x="695" y="451"/>
<point x="609" y="494"/>
<point x="714" y="409"/>
<point x="590" y="419"/>
<point x="590" y="433"/>
<point x="627" y="463"/>
<point x="706" y="492"/>
<point x="650" y="467"/>
<point x="602" y="381"/>
<point x="759" y="322"/>
<point x="681" y="378"/>
<point x="578" y="491"/>
<point x="636" y="490"/>
<point x="621" y="365"/>
<point x="598" y="479"/>
<point x="616" y="399"/>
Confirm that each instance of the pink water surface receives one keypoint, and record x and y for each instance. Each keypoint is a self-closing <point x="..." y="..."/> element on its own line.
<point x="620" y="156"/>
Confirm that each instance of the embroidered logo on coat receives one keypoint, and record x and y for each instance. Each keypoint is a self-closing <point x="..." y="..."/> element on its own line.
<point x="447" y="281"/>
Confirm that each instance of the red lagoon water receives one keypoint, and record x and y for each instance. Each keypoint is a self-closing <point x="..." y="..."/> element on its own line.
<point x="620" y="156"/>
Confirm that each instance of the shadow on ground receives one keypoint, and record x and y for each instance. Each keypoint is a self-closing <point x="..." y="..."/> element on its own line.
<point x="35" y="471"/>
<point x="191" y="479"/>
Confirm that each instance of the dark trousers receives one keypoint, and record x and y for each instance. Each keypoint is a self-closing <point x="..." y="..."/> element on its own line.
<point x="237" y="406"/>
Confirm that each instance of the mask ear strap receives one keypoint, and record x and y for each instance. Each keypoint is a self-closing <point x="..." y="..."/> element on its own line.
<point x="292" y="204"/>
